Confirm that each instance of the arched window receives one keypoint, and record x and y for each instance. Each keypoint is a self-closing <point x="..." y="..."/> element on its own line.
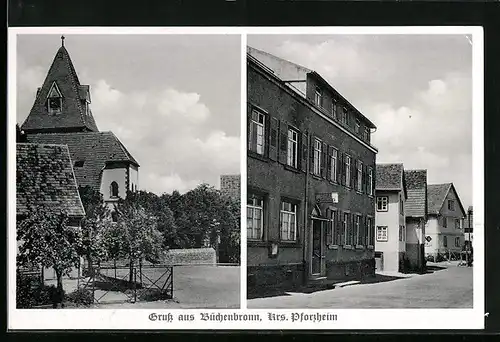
<point x="114" y="189"/>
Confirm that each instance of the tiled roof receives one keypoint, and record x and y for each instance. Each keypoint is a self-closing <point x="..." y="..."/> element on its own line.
<point x="94" y="149"/>
<point x="44" y="177"/>
<point x="436" y="194"/>
<point x="416" y="187"/>
<point x="389" y="177"/>
<point x="73" y="116"/>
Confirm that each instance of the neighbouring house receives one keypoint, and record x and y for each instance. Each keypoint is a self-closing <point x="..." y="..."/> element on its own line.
<point x="390" y="223"/>
<point x="45" y="179"/>
<point x="61" y="114"/>
<point x="416" y="218"/>
<point x="444" y="230"/>
<point x="310" y="179"/>
<point x="230" y="185"/>
<point x="469" y="225"/>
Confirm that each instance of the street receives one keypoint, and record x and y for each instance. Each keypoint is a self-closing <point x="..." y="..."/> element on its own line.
<point x="447" y="286"/>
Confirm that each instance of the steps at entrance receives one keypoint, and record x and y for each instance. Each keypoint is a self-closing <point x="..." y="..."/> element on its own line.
<point x="322" y="283"/>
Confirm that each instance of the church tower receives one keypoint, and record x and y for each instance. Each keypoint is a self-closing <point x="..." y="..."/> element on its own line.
<point x="61" y="115"/>
<point x="62" y="104"/>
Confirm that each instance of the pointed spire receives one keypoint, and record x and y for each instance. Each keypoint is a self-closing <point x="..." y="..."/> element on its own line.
<point x="74" y="115"/>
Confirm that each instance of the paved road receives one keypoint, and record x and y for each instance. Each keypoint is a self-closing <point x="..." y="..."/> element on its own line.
<point x="447" y="288"/>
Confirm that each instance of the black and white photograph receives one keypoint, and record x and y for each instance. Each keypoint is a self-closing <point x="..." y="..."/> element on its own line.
<point x="127" y="171"/>
<point x="360" y="171"/>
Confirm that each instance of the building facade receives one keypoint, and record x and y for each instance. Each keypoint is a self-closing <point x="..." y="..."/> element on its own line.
<point x="61" y="114"/>
<point x="469" y="225"/>
<point x="416" y="218"/>
<point x="230" y="185"/>
<point x="390" y="222"/>
<point x="444" y="229"/>
<point x="310" y="185"/>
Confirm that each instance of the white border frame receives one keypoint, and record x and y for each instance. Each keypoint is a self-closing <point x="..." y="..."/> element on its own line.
<point x="346" y="318"/>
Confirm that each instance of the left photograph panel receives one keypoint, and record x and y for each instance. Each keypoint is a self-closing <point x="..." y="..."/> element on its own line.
<point x="127" y="171"/>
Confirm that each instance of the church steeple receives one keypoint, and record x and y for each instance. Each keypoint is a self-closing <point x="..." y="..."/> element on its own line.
<point x="62" y="104"/>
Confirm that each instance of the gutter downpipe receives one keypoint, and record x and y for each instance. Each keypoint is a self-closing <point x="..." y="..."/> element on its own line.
<point x="306" y="213"/>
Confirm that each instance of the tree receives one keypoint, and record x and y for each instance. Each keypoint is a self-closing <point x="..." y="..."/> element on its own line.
<point x="95" y="226"/>
<point x="48" y="240"/>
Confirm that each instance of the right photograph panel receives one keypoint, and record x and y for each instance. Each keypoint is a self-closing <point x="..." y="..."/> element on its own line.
<point x="359" y="154"/>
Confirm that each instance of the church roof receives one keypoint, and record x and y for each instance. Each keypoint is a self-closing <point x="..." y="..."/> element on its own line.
<point x="45" y="178"/>
<point x="73" y="117"/>
<point x="90" y="151"/>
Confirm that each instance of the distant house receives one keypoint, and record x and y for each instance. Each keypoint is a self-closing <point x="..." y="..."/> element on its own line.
<point x="416" y="217"/>
<point x="444" y="233"/>
<point x="45" y="179"/>
<point x="390" y="224"/>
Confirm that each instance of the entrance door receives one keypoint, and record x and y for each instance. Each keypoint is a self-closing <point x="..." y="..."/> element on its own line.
<point x="316" y="247"/>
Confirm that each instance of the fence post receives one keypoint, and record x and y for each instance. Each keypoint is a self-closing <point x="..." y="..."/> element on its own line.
<point x="172" y="283"/>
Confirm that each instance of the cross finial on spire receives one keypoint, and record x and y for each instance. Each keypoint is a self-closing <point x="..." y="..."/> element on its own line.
<point x="62" y="40"/>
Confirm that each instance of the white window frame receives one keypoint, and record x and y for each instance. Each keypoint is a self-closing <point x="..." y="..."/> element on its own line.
<point x="333" y="222"/>
<point x="260" y="142"/>
<point x="370" y="232"/>
<point x="370" y="181"/>
<point x="334" y="108"/>
<point x="384" y="201"/>
<point x="333" y="166"/>
<point x="318" y="97"/>
<point x="317" y="157"/>
<point x="359" y="184"/>
<point x="451" y="205"/>
<point x="345" y="114"/>
<point x="292" y="150"/>
<point x="382" y="237"/>
<point x="255" y="207"/>
<point x="50" y="97"/>
<point x="358" y="229"/>
<point x="347" y="171"/>
<point x="292" y="217"/>
<point x="357" y="126"/>
<point x="345" y="228"/>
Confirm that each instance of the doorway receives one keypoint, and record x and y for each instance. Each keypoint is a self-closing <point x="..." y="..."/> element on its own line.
<point x="317" y="247"/>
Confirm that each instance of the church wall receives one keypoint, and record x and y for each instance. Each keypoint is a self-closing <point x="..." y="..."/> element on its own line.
<point x="115" y="174"/>
<point x="133" y="178"/>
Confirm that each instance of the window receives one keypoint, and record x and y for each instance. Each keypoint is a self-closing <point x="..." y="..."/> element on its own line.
<point x="457" y="224"/>
<point x="54" y="100"/>
<point x="357" y="126"/>
<point x="345" y="230"/>
<point x="382" y="235"/>
<point x="288" y="221"/>
<point x="451" y="205"/>
<point x="344" y="115"/>
<point x="359" y="237"/>
<point x="347" y="170"/>
<point x="257" y="129"/>
<point x="334" y="109"/>
<point x="401" y="205"/>
<point x="382" y="203"/>
<point x="445" y="241"/>
<point x="333" y="169"/>
<point x="359" y="184"/>
<point x="292" y="153"/>
<point x="367" y="134"/>
<point x="370" y="181"/>
<point x="255" y="210"/>
<point x="79" y="163"/>
<point x="332" y="226"/>
<point x="370" y="234"/>
<point x="457" y="241"/>
<point x="445" y="222"/>
<point x="317" y="157"/>
<point x="318" y="98"/>
<point x="402" y="234"/>
<point x="114" y="189"/>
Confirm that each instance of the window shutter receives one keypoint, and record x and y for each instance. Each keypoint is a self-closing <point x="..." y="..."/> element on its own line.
<point x="341" y="168"/>
<point x="329" y="163"/>
<point x="355" y="175"/>
<point x="252" y="134"/>
<point x="353" y="229"/>
<point x="283" y="137"/>
<point x="365" y="231"/>
<point x="340" y="234"/>
<point x="311" y="153"/>
<point x="273" y="139"/>
<point x="329" y="235"/>
<point x="303" y="161"/>
<point x="324" y="150"/>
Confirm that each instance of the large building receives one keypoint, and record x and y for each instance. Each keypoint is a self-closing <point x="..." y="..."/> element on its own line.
<point x="416" y="218"/>
<point x="61" y="114"/>
<point x="444" y="233"/>
<point x="390" y="230"/>
<point x="310" y="186"/>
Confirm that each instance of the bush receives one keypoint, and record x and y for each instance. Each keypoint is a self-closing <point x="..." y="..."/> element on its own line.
<point x="32" y="292"/>
<point x="154" y="295"/>
<point x="81" y="297"/>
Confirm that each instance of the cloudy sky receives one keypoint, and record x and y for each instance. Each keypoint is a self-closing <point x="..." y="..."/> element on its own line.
<point x="416" y="89"/>
<point x="174" y="101"/>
